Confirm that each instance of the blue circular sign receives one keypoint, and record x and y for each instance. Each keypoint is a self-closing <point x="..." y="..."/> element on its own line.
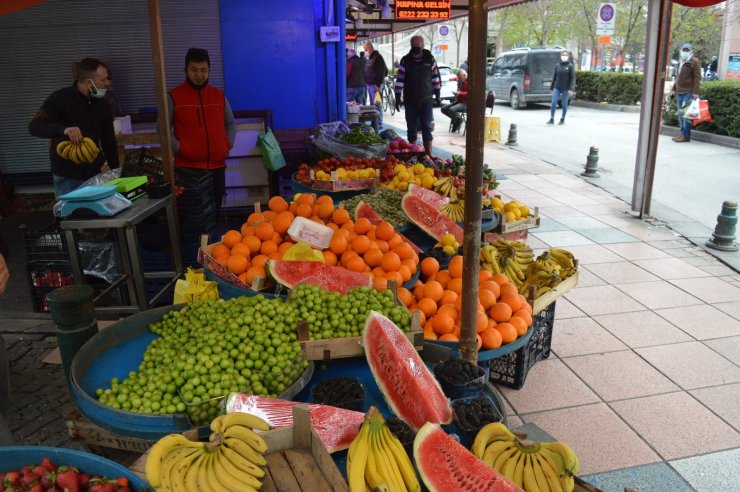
<point x="606" y="13"/>
<point x="444" y="30"/>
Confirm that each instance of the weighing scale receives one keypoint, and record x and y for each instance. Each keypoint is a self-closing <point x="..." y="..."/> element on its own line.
<point x="131" y="188"/>
<point x="91" y="201"/>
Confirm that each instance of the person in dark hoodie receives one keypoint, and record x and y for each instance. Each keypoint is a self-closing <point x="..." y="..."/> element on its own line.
<point x="563" y="87"/>
<point x="375" y="73"/>
<point x="355" y="78"/>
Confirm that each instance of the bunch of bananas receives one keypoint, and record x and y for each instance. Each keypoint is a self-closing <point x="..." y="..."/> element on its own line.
<point x="565" y="259"/>
<point x="546" y="466"/>
<point x="449" y="244"/>
<point x="232" y="460"/>
<point x="450" y="186"/>
<point x="548" y="270"/>
<point x="455" y="210"/>
<point x="490" y="259"/>
<point x="511" y="258"/>
<point x="377" y="461"/>
<point x="82" y="153"/>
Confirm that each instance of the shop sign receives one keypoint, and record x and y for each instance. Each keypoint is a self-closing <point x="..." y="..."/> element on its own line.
<point x="422" y="9"/>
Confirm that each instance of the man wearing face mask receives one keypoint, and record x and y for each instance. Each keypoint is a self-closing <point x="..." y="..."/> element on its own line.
<point x="686" y="88"/>
<point x="563" y="86"/>
<point x="417" y="80"/>
<point x="203" y="128"/>
<point x="73" y="113"/>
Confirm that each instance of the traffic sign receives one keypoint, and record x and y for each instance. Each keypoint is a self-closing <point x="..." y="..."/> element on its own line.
<point x="606" y="19"/>
<point x="605" y="40"/>
<point x="444" y="31"/>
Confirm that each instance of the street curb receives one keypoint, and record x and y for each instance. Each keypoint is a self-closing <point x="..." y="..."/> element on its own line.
<point x="621" y="108"/>
<point x="722" y="140"/>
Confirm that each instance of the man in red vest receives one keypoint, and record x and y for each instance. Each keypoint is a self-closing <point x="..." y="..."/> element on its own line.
<point x="203" y="128"/>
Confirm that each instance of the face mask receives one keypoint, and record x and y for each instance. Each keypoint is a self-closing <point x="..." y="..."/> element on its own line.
<point x="563" y="59"/>
<point x="95" y="92"/>
<point x="416" y="50"/>
<point x="685" y="55"/>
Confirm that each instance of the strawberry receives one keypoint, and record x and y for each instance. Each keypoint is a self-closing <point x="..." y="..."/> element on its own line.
<point x="47" y="481"/>
<point x="29" y="478"/>
<point x="47" y="463"/>
<point x="67" y="479"/>
<point x="101" y="486"/>
<point x="121" y="482"/>
<point x="12" y="478"/>
<point x="40" y="470"/>
<point x="83" y="480"/>
<point x="36" y="488"/>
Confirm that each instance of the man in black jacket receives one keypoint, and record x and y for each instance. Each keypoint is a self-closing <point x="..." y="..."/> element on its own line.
<point x="563" y="86"/>
<point x="375" y="73"/>
<point x="73" y="113"/>
<point x="417" y="80"/>
<point x="355" y="78"/>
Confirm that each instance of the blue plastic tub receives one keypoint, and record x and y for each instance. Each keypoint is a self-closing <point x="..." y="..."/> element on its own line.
<point x="228" y="291"/>
<point x="14" y="457"/>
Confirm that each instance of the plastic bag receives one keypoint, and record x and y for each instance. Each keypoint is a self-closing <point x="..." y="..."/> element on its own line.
<point x="303" y="252"/>
<point x="102" y="178"/>
<point x="704" y="115"/>
<point x="692" y="112"/>
<point x="378" y="99"/>
<point x="194" y="287"/>
<point x="327" y="139"/>
<point x="272" y="156"/>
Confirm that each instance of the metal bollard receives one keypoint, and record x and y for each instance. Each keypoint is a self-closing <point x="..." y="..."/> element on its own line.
<point x="724" y="234"/>
<point x="511" y="142"/>
<point x="592" y="163"/>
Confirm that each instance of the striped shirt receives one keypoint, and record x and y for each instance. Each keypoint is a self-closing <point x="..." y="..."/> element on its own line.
<point x="401" y="76"/>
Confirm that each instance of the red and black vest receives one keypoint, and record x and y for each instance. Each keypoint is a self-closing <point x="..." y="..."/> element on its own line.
<point x="199" y="126"/>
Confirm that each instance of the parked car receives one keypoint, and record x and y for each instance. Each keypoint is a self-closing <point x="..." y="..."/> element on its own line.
<point x="523" y="75"/>
<point x="448" y="81"/>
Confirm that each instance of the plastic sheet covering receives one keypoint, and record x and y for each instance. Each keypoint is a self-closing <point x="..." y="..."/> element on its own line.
<point x="99" y="259"/>
<point x="336" y="427"/>
<point x="327" y="138"/>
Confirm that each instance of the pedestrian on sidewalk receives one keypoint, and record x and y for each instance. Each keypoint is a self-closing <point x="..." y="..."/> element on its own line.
<point x="686" y="88"/>
<point x="417" y="80"/>
<point x="460" y="105"/>
<point x="75" y="112"/>
<point x="713" y="69"/>
<point x="355" y="78"/>
<point x="563" y="86"/>
<point x="375" y="73"/>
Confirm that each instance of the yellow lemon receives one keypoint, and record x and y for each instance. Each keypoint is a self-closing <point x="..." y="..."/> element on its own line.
<point x="419" y="168"/>
<point x="524" y="210"/>
<point x="427" y="181"/>
<point x="399" y="168"/>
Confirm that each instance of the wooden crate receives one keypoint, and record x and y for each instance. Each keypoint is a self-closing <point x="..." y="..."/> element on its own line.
<point x="541" y="303"/>
<point x="82" y="430"/>
<point x="530" y="222"/>
<point x="297" y="459"/>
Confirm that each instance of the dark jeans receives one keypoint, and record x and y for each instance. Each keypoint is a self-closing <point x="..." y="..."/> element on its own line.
<point x="219" y="184"/>
<point x="356" y="94"/>
<point x="558" y="94"/>
<point x="371" y="90"/>
<point x="451" y="110"/>
<point x="683" y="100"/>
<point x="421" y="113"/>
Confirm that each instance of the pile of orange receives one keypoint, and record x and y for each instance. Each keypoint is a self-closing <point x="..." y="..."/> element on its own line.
<point x="503" y="314"/>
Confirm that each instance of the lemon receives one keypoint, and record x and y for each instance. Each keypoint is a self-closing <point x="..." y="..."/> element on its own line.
<point x="403" y="186"/>
<point x="404" y="176"/>
<point x="399" y="168"/>
<point x="449" y="250"/>
<point x="516" y="213"/>
<point x="448" y="240"/>
<point x="429" y="171"/>
<point x="419" y="168"/>
<point x="342" y="173"/>
<point x="510" y="207"/>
<point x="510" y="217"/>
<point x="524" y="210"/>
<point x="427" y="181"/>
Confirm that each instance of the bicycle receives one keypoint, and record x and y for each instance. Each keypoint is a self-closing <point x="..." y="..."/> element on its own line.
<point x="388" y="95"/>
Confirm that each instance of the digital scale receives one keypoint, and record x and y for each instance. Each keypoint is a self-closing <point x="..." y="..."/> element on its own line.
<point x="131" y="188"/>
<point x="93" y="201"/>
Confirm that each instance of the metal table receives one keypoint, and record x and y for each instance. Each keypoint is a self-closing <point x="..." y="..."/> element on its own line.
<point x="124" y="225"/>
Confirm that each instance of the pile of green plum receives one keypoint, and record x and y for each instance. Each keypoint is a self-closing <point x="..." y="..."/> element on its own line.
<point x="333" y="315"/>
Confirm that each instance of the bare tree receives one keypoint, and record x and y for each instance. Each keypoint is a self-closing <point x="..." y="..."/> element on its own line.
<point x="634" y="23"/>
<point x="459" y="27"/>
<point x="429" y="33"/>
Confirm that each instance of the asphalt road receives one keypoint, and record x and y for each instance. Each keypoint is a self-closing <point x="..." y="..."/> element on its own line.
<point x="691" y="178"/>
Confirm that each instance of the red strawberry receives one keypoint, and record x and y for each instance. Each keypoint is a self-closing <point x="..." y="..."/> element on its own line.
<point x="47" y="463"/>
<point x="40" y="470"/>
<point x="47" y="481"/>
<point x="83" y="480"/>
<point x="29" y="478"/>
<point x="36" y="488"/>
<point x="102" y="486"/>
<point x="121" y="482"/>
<point x="12" y="478"/>
<point x="2" y="487"/>
<point x="67" y="479"/>
<point x="25" y="469"/>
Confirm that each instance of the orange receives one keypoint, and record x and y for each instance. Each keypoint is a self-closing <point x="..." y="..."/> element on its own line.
<point x="223" y="259"/>
<point x="487" y="298"/>
<point x="500" y="279"/>
<point x="442" y="324"/>
<point x="429" y="266"/>
<point x="276" y="238"/>
<point x="455" y="285"/>
<point x="332" y="226"/>
<point x="282" y="222"/>
<point x="427" y="306"/>
<point x="484" y="275"/>
<point x="338" y="244"/>
<point x="395" y="276"/>
<point x="418" y="291"/>
<point x="254" y="271"/>
<point x="491" y="323"/>
<point x="380" y="283"/>
<point x="509" y="289"/>
<point x="231" y="238"/>
<point x="449" y="297"/>
<point x="395" y="241"/>
<point x="241" y="249"/>
<point x="285" y="246"/>
<point x="525" y="304"/>
<point x="259" y="261"/>
<point x="519" y="324"/>
<point x="403" y="250"/>
<point x="524" y="315"/>
<point x="264" y="231"/>
<point x="508" y="332"/>
<point x="410" y="265"/>
<point x="383" y="246"/>
<point x="491" y="338"/>
<point x="268" y="247"/>
<point x="378" y="272"/>
<point x="405" y="273"/>
<point x="324" y="199"/>
<point x="481" y="321"/>
<point x="329" y="257"/>
<point x="360" y="244"/>
<point x="303" y="210"/>
<point x="512" y="300"/>
<point x="349" y="226"/>
<point x="429" y="334"/>
<point x="434" y="290"/>
<point x="456" y="266"/>
<point x="443" y="277"/>
<point x="255" y="218"/>
<point x="269" y="215"/>
<point x="405" y="296"/>
<point x="363" y="225"/>
<point x="373" y="257"/>
<point x="253" y="242"/>
<point x="243" y="277"/>
<point x="491" y="286"/>
<point x="276" y="255"/>
<point x="449" y="310"/>
<point x="325" y="210"/>
<point x="390" y="262"/>
<point x="449" y="337"/>
<point x="219" y="249"/>
<point x="237" y="264"/>
<point x="346" y="256"/>
<point x="355" y="264"/>
<point x="500" y="312"/>
<point x="384" y="231"/>
<point x="246" y="230"/>
<point x="306" y="198"/>
<point x="277" y="204"/>
<point x="340" y="216"/>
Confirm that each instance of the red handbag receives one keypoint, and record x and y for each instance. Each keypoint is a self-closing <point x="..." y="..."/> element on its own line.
<point x="703" y="113"/>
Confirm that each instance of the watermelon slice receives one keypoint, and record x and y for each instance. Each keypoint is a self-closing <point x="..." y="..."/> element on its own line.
<point x="336" y="427"/>
<point x="446" y="466"/>
<point x="429" y="196"/>
<point x="407" y="384"/>
<point x="429" y="218"/>
<point x="366" y="210"/>
<point x="331" y="278"/>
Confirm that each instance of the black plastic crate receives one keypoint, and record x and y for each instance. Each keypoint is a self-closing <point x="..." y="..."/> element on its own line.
<point x="44" y="277"/>
<point x="45" y="244"/>
<point x="511" y="369"/>
<point x="142" y="162"/>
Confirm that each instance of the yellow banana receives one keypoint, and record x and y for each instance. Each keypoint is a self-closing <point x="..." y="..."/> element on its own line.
<point x="568" y="482"/>
<point x="87" y="156"/>
<point x="169" y="462"/>
<point x="238" y="418"/>
<point x="495" y="431"/>
<point x="570" y="460"/>
<point x="373" y="479"/>
<point x="529" y="482"/>
<point x="62" y="146"/>
<point x="519" y="470"/>
<point x="236" y="449"/>
<point x="211" y="478"/>
<point x="201" y="481"/>
<point x="248" y="436"/>
<point x="386" y="464"/>
<point x="539" y="475"/>
<point x="356" y="469"/>
<point x="510" y="465"/>
<point x="191" y="475"/>
<point x="402" y="459"/>
<point x="551" y="475"/>
<point x="503" y="458"/>
<point x="180" y="469"/>
<point x="494" y="450"/>
<point x="232" y="475"/>
<point x="160" y="450"/>
<point x="553" y="459"/>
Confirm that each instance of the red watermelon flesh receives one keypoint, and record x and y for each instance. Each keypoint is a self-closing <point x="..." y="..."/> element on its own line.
<point x="446" y="466"/>
<point x="366" y="210"/>
<point x="430" y="219"/>
<point x="331" y="278"/>
<point x="408" y="386"/>
<point x="429" y="196"/>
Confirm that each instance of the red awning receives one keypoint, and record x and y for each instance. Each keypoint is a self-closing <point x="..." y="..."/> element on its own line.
<point x="10" y="6"/>
<point x="697" y="4"/>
